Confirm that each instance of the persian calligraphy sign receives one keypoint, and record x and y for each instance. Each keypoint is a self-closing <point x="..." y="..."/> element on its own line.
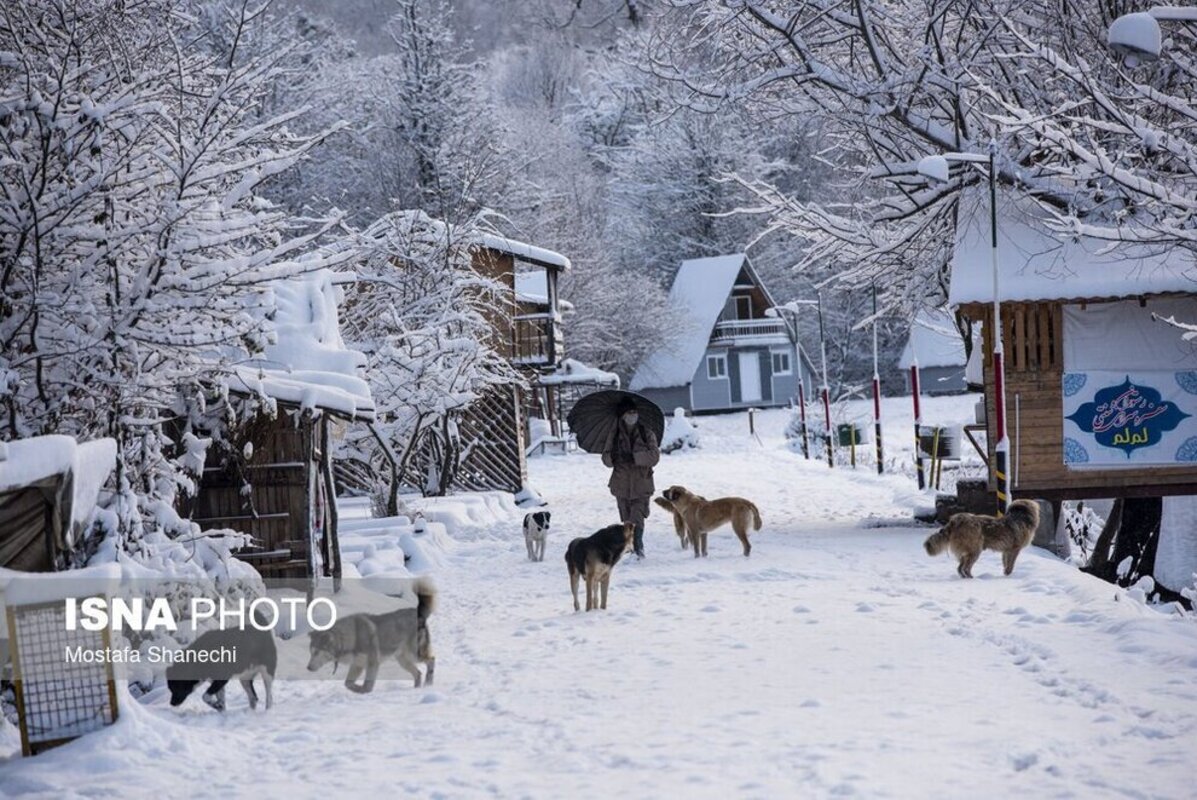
<point x="1121" y="419"/>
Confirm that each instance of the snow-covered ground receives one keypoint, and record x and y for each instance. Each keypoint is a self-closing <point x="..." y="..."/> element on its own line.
<point x="838" y="660"/>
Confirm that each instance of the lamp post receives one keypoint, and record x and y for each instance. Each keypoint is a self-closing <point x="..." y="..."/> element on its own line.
<point x="876" y="392"/>
<point x="1136" y="37"/>
<point x="779" y="312"/>
<point x="936" y="168"/>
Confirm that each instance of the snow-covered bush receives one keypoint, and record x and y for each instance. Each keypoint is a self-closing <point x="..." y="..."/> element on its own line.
<point x="680" y="433"/>
<point x="1083" y="525"/>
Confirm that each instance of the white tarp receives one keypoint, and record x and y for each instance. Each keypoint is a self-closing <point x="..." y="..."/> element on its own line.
<point x="1126" y="335"/>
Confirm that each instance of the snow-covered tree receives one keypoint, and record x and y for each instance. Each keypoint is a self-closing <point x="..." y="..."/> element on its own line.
<point x="421" y="313"/>
<point x="1106" y="151"/>
<point x="133" y="246"/>
<point x="418" y="133"/>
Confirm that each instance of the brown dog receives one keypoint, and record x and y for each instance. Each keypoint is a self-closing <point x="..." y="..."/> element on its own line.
<point x="966" y="535"/>
<point x="679" y="524"/>
<point x="699" y="516"/>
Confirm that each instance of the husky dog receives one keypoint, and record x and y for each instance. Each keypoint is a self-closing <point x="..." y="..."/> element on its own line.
<point x="593" y="557"/>
<point x="536" y="528"/>
<point x="366" y="639"/>
<point x="254" y="653"/>
<point x="966" y="535"/>
<point x="700" y="516"/>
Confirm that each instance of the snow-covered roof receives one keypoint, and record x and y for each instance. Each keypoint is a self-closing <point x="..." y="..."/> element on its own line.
<point x="532" y="287"/>
<point x="524" y="251"/>
<point x="572" y="371"/>
<point x="409" y="221"/>
<point x="308" y="364"/>
<point x="1033" y="264"/>
<point x="28" y="461"/>
<point x="934" y="340"/>
<point x="699" y="293"/>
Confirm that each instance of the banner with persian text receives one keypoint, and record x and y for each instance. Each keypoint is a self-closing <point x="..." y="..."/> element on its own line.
<point x="1130" y="419"/>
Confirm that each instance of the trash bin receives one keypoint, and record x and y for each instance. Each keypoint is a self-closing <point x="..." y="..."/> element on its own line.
<point x="948" y="445"/>
<point x="850" y="433"/>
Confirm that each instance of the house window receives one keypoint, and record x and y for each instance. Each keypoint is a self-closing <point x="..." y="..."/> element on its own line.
<point x="716" y="367"/>
<point x="781" y="362"/>
<point x="744" y="307"/>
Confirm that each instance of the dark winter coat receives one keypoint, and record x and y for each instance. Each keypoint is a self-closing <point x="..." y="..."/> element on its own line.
<point x="632" y="454"/>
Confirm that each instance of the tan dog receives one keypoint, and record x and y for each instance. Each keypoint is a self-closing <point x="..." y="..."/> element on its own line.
<point x="679" y="524"/>
<point x="591" y="558"/>
<point x="700" y="516"/>
<point x="966" y="535"/>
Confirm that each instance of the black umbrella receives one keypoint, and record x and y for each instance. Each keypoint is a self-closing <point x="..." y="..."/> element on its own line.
<point x="593" y="418"/>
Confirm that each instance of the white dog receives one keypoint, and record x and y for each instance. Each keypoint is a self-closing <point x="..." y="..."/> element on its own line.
<point x="536" y="529"/>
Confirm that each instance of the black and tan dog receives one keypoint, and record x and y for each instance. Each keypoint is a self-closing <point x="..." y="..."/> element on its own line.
<point x="966" y="535"/>
<point x="593" y="557"/>
<point x="694" y="517"/>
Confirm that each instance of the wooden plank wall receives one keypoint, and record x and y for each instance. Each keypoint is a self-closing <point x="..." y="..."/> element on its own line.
<point x="276" y="511"/>
<point x="501" y="268"/>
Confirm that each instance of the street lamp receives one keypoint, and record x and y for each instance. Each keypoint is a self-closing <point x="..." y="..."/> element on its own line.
<point x="779" y="312"/>
<point x="1136" y="37"/>
<point x="936" y="168"/>
<point x="877" y="393"/>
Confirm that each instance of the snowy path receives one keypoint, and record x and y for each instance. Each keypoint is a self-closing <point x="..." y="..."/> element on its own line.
<point x="837" y="660"/>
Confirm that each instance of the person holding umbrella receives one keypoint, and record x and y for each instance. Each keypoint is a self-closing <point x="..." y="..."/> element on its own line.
<point x="632" y="451"/>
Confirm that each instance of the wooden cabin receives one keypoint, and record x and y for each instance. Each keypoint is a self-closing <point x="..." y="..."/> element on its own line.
<point x="280" y="488"/>
<point x="527" y="330"/>
<point x="1101" y="392"/>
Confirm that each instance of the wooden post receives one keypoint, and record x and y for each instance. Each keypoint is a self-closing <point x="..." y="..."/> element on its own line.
<point x="333" y="519"/>
<point x="935" y="460"/>
<point x="852" y="443"/>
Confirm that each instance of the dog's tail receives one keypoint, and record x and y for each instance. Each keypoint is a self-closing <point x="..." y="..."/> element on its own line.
<point x="756" y="517"/>
<point x="937" y="542"/>
<point x="425" y="597"/>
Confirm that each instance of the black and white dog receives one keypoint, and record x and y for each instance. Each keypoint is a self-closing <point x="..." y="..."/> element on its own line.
<point x="246" y="654"/>
<point x="536" y="528"/>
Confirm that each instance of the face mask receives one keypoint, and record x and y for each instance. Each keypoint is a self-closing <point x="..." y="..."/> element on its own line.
<point x="631" y="419"/>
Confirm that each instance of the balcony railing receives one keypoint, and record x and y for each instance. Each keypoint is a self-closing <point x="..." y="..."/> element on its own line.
<point x="537" y="340"/>
<point x="728" y="330"/>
